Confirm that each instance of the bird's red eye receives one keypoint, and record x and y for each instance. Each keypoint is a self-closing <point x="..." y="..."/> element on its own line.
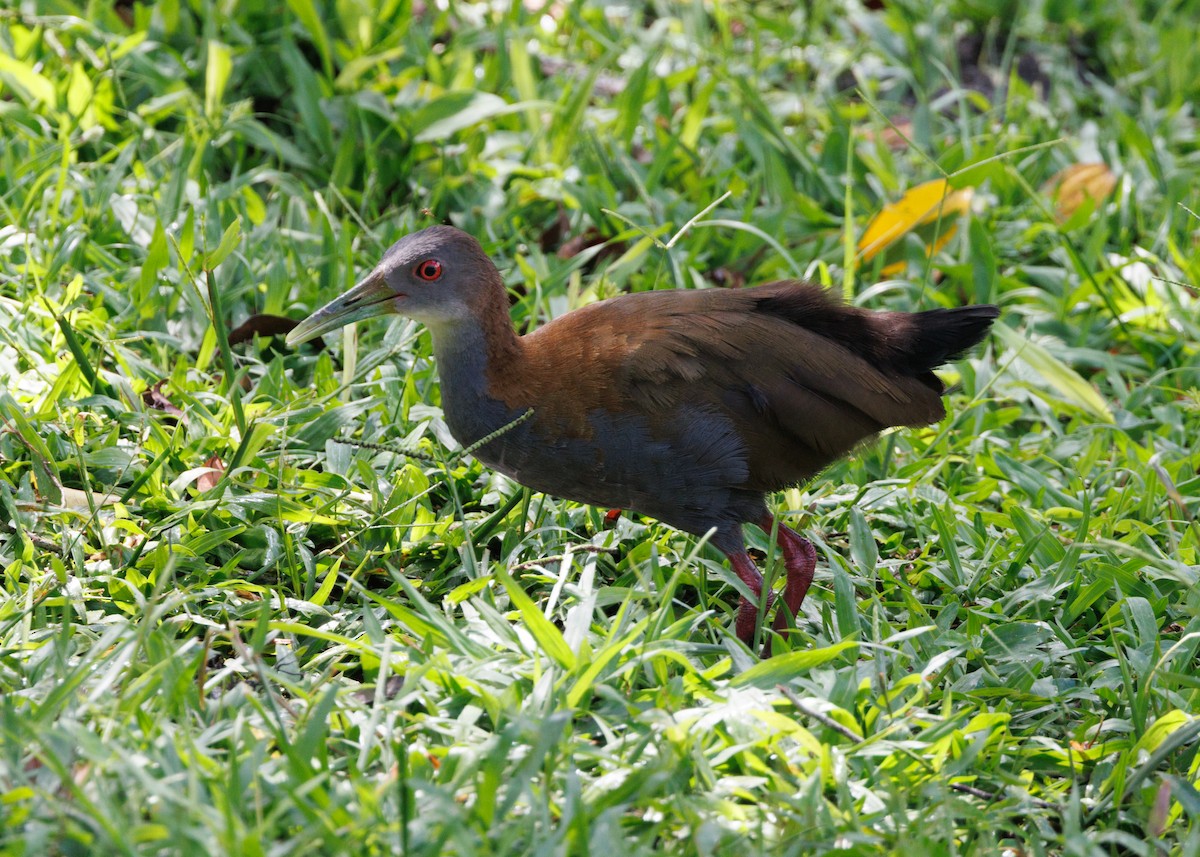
<point x="429" y="270"/>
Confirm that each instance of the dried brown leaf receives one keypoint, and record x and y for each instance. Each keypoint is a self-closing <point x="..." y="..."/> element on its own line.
<point x="209" y="479"/>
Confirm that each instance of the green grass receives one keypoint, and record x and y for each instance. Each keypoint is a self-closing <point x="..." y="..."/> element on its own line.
<point x="225" y="631"/>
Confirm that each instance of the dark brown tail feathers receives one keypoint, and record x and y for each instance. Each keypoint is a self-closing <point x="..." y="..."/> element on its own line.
<point x="910" y="344"/>
<point x="941" y="335"/>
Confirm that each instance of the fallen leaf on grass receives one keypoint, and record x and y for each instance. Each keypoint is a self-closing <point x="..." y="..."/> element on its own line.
<point x="933" y="203"/>
<point x="589" y="238"/>
<point x="209" y="478"/>
<point x="153" y="397"/>
<point x="894" y="136"/>
<point x="1077" y="184"/>
<point x="263" y="324"/>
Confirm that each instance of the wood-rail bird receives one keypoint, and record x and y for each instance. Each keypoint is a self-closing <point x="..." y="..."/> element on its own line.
<point x="688" y="405"/>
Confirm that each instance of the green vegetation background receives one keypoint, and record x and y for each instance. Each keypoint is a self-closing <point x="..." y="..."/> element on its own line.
<point x="222" y="631"/>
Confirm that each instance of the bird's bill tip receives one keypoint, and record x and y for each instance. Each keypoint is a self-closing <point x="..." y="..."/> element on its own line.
<point x="369" y="298"/>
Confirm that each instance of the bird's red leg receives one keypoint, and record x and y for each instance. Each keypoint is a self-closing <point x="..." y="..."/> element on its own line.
<point x="747" y="617"/>
<point x="800" y="560"/>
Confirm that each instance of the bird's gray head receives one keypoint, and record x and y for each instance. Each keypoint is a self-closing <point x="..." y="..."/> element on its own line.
<point x="437" y="276"/>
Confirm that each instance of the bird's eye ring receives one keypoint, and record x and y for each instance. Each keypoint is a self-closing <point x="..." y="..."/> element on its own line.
<point x="429" y="270"/>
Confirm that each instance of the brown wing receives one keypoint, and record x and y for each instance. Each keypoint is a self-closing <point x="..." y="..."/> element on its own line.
<point x="802" y="378"/>
<point x="797" y="398"/>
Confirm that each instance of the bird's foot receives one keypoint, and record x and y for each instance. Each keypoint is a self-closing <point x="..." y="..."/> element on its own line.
<point x="747" y="616"/>
<point x="800" y="562"/>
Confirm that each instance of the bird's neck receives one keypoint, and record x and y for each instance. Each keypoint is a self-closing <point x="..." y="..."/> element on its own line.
<point x="468" y="353"/>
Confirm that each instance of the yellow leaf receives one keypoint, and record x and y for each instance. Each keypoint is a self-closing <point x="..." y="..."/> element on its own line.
<point x="1072" y="186"/>
<point x="921" y="205"/>
<point x="944" y="235"/>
